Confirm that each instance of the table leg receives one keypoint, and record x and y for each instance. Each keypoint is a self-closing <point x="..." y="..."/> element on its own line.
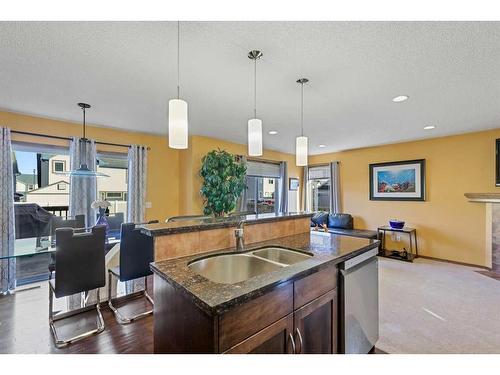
<point x="416" y="245"/>
<point x="411" y="247"/>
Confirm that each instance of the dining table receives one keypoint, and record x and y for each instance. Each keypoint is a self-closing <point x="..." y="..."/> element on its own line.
<point x="32" y="246"/>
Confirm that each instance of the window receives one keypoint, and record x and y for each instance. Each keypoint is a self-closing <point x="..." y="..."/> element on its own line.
<point x="262" y="187"/>
<point x="318" y="188"/>
<point x="113" y="188"/>
<point x="35" y="176"/>
<point x="113" y="195"/>
<point x="58" y="166"/>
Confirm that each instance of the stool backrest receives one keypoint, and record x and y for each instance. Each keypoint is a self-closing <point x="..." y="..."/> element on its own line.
<point x="136" y="252"/>
<point x="58" y="222"/>
<point x="79" y="260"/>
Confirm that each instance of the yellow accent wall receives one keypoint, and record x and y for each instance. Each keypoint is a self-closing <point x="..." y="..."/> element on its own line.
<point x="448" y="226"/>
<point x="190" y="200"/>
<point x="163" y="162"/>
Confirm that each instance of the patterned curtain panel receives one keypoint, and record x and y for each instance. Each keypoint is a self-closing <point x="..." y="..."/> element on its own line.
<point x="335" y="187"/>
<point x="137" y="178"/>
<point x="7" y="235"/>
<point x="304" y="189"/>
<point x="283" y="188"/>
<point x="82" y="190"/>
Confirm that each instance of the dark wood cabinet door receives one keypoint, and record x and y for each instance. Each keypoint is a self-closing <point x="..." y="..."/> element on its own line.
<point x="316" y="325"/>
<point x="274" y="339"/>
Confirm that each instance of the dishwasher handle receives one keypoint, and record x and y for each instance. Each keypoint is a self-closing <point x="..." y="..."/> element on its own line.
<point x="353" y="262"/>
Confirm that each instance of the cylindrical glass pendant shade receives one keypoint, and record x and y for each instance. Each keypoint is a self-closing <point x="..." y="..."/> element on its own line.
<point x="301" y="151"/>
<point x="254" y="137"/>
<point x="177" y="124"/>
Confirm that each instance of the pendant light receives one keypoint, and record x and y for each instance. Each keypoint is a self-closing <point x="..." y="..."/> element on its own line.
<point x="254" y="124"/>
<point x="83" y="170"/>
<point x="178" y="112"/>
<point x="301" y="143"/>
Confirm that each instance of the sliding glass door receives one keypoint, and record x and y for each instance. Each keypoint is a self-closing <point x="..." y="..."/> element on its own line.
<point x="262" y="193"/>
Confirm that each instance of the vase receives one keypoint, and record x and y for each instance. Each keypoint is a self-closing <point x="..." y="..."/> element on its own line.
<point x="102" y="219"/>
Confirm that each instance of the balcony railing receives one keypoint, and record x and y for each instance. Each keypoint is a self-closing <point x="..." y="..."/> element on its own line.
<point x="58" y="210"/>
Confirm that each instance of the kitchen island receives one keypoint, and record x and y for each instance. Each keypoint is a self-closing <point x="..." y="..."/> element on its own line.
<point x="286" y="308"/>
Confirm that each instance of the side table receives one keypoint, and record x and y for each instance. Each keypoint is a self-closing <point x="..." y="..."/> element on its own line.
<point x="407" y="256"/>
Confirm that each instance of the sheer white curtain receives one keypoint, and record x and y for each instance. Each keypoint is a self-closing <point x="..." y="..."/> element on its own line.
<point x="137" y="182"/>
<point x="82" y="190"/>
<point x="283" y="188"/>
<point x="7" y="234"/>
<point x="335" y="187"/>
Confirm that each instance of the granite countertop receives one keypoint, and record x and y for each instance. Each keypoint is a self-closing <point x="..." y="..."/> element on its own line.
<point x="214" y="298"/>
<point x="161" y="229"/>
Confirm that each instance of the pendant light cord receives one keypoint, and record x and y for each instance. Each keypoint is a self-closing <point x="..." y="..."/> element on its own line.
<point x="178" y="58"/>
<point x="302" y="109"/>
<point x="255" y="89"/>
<point x="84" y="123"/>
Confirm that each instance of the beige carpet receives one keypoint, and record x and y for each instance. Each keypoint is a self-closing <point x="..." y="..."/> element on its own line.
<point x="436" y="307"/>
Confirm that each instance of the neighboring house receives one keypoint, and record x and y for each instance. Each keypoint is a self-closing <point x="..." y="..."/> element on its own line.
<point x="56" y="194"/>
<point x="54" y="186"/>
<point x="26" y="183"/>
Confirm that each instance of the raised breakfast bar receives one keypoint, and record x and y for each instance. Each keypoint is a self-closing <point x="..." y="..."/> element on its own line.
<point x="277" y="294"/>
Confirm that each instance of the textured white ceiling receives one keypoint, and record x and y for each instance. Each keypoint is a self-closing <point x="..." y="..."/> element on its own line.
<point x="127" y="71"/>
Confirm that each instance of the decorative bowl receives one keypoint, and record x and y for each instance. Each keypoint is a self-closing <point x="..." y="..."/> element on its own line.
<point x="396" y="224"/>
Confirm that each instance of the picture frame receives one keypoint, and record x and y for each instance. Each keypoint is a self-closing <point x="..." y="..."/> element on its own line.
<point x="398" y="181"/>
<point x="293" y="184"/>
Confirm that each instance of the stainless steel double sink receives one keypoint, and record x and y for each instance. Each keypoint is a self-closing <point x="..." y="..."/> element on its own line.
<point x="236" y="267"/>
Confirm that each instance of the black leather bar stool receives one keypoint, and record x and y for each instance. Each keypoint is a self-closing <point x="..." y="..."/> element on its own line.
<point x="136" y="253"/>
<point x="79" y="268"/>
<point x="58" y="222"/>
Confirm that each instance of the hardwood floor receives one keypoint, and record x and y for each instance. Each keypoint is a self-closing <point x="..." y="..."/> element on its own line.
<point x="24" y="327"/>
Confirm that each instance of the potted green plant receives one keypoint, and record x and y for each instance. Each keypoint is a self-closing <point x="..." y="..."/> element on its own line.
<point x="223" y="182"/>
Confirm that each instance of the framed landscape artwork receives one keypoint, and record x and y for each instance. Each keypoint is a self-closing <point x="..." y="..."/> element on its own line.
<point x="398" y="181"/>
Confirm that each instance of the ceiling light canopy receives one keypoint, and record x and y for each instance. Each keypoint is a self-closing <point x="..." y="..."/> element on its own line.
<point x="273" y="132"/>
<point x="178" y="111"/>
<point x="301" y="143"/>
<point x="83" y="170"/>
<point x="429" y="127"/>
<point x="400" y="98"/>
<point x="254" y="124"/>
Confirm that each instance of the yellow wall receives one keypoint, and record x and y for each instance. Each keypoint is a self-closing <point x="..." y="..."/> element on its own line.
<point x="173" y="180"/>
<point x="163" y="163"/>
<point x="190" y="200"/>
<point x="448" y="226"/>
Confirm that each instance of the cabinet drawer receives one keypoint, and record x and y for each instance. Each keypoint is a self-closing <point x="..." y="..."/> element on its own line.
<point x="243" y="321"/>
<point x="314" y="285"/>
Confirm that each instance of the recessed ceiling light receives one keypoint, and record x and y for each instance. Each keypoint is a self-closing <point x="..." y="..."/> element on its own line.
<point x="429" y="127"/>
<point x="273" y="132"/>
<point x="400" y="98"/>
<point x="321" y="146"/>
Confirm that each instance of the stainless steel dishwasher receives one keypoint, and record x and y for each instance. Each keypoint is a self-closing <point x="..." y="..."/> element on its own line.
<point x="359" y="324"/>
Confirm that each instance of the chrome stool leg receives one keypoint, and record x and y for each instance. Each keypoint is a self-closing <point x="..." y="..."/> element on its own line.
<point x="128" y="319"/>
<point x="52" y="319"/>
